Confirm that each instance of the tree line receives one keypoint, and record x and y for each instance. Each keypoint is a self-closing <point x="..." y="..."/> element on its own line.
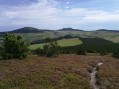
<point x="15" y="47"/>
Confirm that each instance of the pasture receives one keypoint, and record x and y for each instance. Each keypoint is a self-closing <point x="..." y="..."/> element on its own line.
<point x="62" y="43"/>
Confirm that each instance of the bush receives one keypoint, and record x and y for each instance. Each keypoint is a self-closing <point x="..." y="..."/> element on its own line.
<point x="14" y="47"/>
<point x="116" y="54"/>
<point x="39" y="52"/>
<point x="51" y="49"/>
<point x="0" y="51"/>
<point x="103" y="52"/>
<point x="81" y="51"/>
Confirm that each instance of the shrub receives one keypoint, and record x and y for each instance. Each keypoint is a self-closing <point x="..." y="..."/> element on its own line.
<point x="14" y="47"/>
<point x="81" y="51"/>
<point x="103" y="52"/>
<point x="39" y="52"/>
<point x="51" y="49"/>
<point x="0" y="51"/>
<point x="116" y="54"/>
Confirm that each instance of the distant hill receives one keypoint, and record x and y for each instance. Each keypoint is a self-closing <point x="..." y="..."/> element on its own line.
<point x="69" y="29"/>
<point x="29" y="30"/>
<point x="26" y="30"/>
<point x="34" y="34"/>
<point x="36" y="30"/>
<point x="107" y="30"/>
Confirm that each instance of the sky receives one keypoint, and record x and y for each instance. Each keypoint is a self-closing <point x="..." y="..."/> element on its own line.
<point x="57" y="14"/>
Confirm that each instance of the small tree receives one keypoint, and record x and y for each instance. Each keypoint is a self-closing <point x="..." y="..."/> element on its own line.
<point x="14" y="47"/>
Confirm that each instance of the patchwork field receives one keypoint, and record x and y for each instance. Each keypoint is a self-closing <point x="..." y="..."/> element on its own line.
<point x="65" y="72"/>
<point x="62" y="43"/>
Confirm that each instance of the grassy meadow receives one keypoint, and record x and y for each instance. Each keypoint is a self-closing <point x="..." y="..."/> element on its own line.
<point x="62" y="43"/>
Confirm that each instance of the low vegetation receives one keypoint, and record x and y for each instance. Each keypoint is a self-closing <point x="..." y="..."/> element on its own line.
<point x="80" y="51"/>
<point x="116" y="54"/>
<point x="64" y="72"/>
<point x="108" y="74"/>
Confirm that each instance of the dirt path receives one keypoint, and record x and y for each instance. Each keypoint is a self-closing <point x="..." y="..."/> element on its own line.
<point x="93" y="76"/>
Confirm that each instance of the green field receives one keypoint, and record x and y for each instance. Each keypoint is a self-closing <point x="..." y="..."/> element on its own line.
<point x="112" y="36"/>
<point x="62" y="43"/>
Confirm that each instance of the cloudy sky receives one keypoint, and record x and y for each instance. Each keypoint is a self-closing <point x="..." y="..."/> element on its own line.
<point x="56" y="14"/>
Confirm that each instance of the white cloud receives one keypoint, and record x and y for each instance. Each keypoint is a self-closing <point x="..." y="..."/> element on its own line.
<point x="103" y="16"/>
<point x="46" y="13"/>
<point x="67" y="3"/>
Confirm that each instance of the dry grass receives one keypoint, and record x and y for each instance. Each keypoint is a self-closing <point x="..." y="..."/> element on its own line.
<point x="65" y="72"/>
<point x="108" y="74"/>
